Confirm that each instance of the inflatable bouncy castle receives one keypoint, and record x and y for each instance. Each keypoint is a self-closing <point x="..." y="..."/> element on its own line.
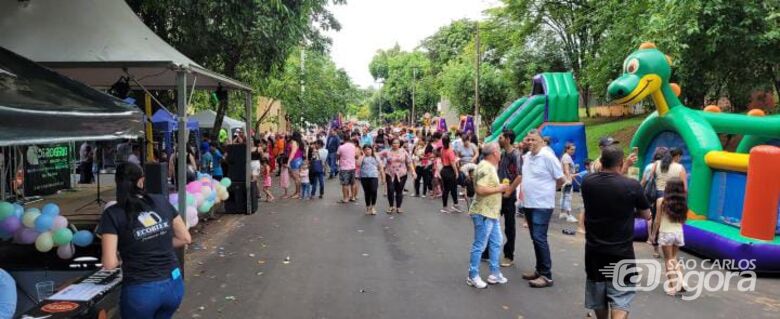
<point x="732" y="196"/>
<point x="552" y="108"/>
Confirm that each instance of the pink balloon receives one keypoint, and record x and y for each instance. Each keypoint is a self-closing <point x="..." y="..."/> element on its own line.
<point x="193" y="187"/>
<point x="66" y="251"/>
<point x="198" y="199"/>
<point x="60" y="222"/>
<point x="192" y="216"/>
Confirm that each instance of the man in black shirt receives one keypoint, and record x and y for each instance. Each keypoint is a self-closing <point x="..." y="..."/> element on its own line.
<point x="612" y="201"/>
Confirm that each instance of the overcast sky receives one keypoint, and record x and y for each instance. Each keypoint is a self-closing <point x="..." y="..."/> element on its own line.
<point x="370" y="25"/>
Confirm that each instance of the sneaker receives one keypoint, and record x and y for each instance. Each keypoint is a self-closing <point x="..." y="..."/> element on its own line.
<point x="476" y="282"/>
<point x="506" y="262"/>
<point x="423" y="196"/>
<point x="541" y="282"/>
<point x="456" y="209"/>
<point x="497" y="279"/>
<point x="562" y="215"/>
<point x="571" y="219"/>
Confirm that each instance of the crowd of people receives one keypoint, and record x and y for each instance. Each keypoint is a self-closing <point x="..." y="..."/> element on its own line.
<point x="513" y="177"/>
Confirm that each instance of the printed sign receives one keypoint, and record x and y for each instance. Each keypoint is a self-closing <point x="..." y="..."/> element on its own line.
<point x="47" y="169"/>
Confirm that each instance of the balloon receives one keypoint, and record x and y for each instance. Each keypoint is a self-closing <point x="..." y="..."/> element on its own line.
<point x="66" y="251"/>
<point x="198" y="199"/>
<point x="50" y="209"/>
<point x="62" y="236"/>
<point x="192" y="216"/>
<point x="204" y="208"/>
<point x="212" y="196"/>
<point x="25" y="236"/>
<point x="44" y="242"/>
<point x="190" y="200"/>
<point x="10" y="225"/>
<point x="6" y="209"/>
<point x="193" y="187"/>
<point x="226" y="182"/>
<point x="60" y="222"/>
<point x="18" y="210"/>
<point x="173" y="199"/>
<point x="44" y="223"/>
<point x="83" y="238"/>
<point x="29" y="218"/>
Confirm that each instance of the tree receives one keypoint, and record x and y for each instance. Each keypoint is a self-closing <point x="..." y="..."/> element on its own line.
<point x="404" y="74"/>
<point x="457" y="81"/>
<point x="448" y="42"/>
<point x="230" y="35"/>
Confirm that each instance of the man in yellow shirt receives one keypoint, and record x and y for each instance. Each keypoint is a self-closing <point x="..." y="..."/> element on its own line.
<point x="485" y="211"/>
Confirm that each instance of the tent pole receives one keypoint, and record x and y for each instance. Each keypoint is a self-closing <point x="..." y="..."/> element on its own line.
<point x="249" y="142"/>
<point x="181" y="145"/>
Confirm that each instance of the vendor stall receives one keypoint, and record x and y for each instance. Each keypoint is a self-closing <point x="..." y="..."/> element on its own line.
<point x="206" y="120"/>
<point x="164" y="123"/>
<point x="41" y="111"/>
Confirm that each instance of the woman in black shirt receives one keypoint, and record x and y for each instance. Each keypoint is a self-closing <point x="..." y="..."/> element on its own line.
<point x="144" y="229"/>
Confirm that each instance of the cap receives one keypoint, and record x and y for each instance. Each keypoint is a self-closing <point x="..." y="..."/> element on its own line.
<point x="607" y="141"/>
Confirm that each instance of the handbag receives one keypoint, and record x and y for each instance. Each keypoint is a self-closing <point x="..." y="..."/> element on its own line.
<point x="649" y="190"/>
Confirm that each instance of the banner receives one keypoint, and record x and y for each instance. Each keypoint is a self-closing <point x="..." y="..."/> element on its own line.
<point x="46" y="169"/>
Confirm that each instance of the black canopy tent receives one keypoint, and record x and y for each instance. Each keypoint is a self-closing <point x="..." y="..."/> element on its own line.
<point x="98" y="41"/>
<point x="40" y="106"/>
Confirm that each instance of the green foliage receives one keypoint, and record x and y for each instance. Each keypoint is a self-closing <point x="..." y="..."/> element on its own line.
<point x="404" y="75"/>
<point x="246" y="40"/>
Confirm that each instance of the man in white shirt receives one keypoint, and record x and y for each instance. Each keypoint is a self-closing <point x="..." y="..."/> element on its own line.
<point x="542" y="174"/>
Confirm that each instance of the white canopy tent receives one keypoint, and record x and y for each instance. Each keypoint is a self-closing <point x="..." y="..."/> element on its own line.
<point x="97" y="42"/>
<point x="206" y="120"/>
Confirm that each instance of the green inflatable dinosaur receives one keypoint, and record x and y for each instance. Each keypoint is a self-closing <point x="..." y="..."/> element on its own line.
<point x="646" y="73"/>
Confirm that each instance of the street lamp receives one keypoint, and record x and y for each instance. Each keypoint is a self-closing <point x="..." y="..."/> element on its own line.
<point x="414" y="91"/>
<point x="381" y="85"/>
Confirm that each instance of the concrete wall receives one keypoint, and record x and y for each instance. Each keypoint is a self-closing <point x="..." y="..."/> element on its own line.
<point x="275" y="120"/>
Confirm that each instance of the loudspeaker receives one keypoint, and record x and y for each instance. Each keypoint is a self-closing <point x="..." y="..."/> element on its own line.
<point x="236" y="159"/>
<point x="236" y="203"/>
<point x="156" y="178"/>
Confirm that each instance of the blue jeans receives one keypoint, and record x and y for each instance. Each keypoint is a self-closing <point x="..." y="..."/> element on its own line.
<point x="305" y="190"/>
<point x="317" y="179"/>
<point x="334" y="169"/>
<point x="157" y="299"/>
<point x="538" y="220"/>
<point x="486" y="231"/>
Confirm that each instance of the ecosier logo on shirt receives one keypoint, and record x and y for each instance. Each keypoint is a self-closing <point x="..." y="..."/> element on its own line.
<point x="683" y="275"/>
<point x="153" y="226"/>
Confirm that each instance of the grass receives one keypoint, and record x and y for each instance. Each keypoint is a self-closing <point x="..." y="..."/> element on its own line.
<point x="622" y="129"/>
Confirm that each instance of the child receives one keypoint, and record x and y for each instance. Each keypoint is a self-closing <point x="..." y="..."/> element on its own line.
<point x="266" y="169"/>
<point x="668" y="224"/>
<point x="437" y="175"/>
<point x="305" y="182"/>
<point x="284" y="178"/>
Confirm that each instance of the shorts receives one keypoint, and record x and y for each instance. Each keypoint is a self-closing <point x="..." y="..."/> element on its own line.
<point x="296" y="164"/>
<point x="603" y="294"/>
<point x="347" y="177"/>
<point x="671" y="239"/>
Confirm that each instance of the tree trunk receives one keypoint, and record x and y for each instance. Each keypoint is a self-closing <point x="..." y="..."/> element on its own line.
<point x="230" y="70"/>
<point x="585" y="99"/>
<point x="262" y="117"/>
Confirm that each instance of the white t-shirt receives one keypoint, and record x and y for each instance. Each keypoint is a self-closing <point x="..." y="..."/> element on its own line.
<point x="540" y="173"/>
<point x="567" y="160"/>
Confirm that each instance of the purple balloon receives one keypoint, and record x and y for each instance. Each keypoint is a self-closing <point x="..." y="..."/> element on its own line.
<point x="11" y="224"/>
<point x="60" y="222"/>
<point x="25" y="236"/>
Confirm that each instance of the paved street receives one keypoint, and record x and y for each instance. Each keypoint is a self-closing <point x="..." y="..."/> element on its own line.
<point x="344" y="264"/>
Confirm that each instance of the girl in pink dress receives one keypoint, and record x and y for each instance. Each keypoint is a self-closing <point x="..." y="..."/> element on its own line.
<point x="284" y="179"/>
<point x="267" y="180"/>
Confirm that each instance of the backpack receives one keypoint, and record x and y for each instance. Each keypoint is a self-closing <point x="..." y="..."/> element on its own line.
<point x="316" y="166"/>
<point x="649" y="189"/>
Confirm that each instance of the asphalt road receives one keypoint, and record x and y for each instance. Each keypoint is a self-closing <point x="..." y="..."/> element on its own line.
<point x="321" y="259"/>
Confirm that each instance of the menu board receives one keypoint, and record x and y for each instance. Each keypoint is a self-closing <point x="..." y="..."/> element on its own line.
<point x="46" y="169"/>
